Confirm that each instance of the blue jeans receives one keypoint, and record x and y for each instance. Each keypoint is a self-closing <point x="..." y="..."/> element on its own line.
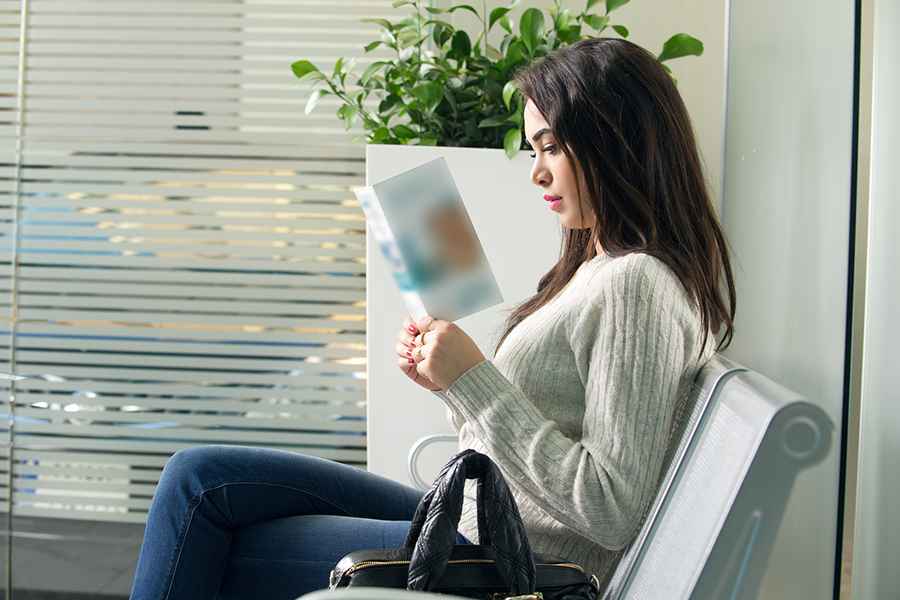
<point x="229" y="522"/>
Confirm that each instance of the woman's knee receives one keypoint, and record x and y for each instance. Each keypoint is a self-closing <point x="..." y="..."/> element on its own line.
<point x="192" y="470"/>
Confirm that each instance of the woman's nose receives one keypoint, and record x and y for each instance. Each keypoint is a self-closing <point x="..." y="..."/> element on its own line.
<point x="540" y="175"/>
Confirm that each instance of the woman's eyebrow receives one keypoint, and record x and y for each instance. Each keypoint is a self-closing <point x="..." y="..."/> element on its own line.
<point x="539" y="133"/>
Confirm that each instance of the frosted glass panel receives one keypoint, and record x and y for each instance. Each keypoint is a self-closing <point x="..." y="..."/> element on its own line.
<point x="786" y="212"/>
<point x="877" y="545"/>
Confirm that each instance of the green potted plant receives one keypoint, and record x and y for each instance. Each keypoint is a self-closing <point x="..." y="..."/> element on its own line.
<point x="441" y="88"/>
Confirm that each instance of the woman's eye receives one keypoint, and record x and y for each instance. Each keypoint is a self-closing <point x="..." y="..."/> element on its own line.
<point x="551" y="149"/>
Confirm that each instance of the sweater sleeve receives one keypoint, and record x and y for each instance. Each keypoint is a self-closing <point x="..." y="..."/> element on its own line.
<point x="631" y="342"/>
<point x="453" y="417"/>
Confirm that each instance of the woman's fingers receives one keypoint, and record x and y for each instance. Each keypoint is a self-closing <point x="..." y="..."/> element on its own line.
<point x="403" y="350"/>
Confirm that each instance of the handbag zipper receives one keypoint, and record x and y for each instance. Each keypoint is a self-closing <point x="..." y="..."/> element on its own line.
<point x="335" y="577"/>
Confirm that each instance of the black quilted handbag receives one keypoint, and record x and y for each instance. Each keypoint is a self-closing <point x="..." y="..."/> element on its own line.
<point x="501" y="566"/>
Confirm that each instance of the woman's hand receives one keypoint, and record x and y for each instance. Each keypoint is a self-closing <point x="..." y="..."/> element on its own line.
<point x="443" y="352"/>
<point x="405" y="346"/>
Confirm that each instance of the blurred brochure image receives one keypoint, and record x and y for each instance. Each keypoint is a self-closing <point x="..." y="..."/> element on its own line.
<point x="424" y="232"/>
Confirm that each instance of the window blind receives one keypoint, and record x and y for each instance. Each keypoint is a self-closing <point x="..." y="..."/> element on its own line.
<point x="190" y="261"/>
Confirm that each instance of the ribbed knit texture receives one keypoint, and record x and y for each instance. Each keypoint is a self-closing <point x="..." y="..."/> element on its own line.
<point x="577" y="406"/>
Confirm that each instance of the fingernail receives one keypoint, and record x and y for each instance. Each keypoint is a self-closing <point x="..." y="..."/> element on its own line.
<point x="411" y="328"/>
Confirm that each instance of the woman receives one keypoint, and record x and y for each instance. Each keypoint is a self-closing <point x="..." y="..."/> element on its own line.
<point x="578" y="405"/>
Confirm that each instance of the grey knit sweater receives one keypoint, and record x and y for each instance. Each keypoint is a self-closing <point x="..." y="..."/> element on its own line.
<point x="578" y="405"/>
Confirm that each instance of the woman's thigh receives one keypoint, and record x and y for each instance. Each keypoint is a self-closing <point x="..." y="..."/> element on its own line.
<point x="251" y="484"/>
<point x="284" y="558"/>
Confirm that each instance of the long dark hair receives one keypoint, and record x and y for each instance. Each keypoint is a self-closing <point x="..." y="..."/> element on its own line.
<point x="615" y="110"/>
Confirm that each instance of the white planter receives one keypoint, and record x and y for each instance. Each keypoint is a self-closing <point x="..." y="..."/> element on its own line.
<point x="521" y="238"/>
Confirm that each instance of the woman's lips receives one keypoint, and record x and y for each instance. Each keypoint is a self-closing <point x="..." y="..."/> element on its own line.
<point x="554" y="201"/>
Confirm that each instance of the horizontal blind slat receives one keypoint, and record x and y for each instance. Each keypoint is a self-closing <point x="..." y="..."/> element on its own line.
<point x="235" y="291"/>
<point x="30" y="441"/>
<point x="161" y="392"/>
<point x="318" y="413"/>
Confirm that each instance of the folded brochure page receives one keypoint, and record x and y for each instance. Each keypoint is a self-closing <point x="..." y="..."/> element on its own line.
<point x="421" y="225"/>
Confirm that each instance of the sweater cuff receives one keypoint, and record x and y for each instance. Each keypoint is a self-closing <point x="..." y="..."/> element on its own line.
<point x="476" y="389"/>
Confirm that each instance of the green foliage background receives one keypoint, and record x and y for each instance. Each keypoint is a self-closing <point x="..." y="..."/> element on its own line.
<point x="443" y="88"/>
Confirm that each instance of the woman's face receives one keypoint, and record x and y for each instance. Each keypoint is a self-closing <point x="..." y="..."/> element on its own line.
<point x="552" y="173"/>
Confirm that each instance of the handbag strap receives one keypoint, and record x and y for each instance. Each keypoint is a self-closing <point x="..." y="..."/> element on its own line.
<point x="432" y="534"/>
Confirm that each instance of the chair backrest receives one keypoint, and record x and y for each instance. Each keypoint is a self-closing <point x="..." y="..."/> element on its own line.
<point x="710" y="530"/>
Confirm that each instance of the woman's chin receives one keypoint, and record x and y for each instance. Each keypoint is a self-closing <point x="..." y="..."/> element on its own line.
<point x="572" y="223"/>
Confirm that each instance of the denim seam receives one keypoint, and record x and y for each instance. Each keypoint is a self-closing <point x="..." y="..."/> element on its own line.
<point x="195" y="502"/>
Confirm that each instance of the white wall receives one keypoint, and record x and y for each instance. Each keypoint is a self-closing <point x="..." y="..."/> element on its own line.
<point x="877" y="540"/>
<point x="786" y="212"/>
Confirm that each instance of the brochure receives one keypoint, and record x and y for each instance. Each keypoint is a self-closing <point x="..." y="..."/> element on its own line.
<point x="426" y="236"/>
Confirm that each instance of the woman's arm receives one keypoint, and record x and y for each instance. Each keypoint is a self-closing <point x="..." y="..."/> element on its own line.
<point x="632" y="343"/>
<point x="453" y="417"/>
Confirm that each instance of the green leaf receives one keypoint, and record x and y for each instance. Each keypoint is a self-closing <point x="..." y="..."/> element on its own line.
<point x="428" y="141"/>
<point x="380" y="134"/>
<point x="492" y="122"/>
<point x="404" y="132"/>
<point x="346" y="67"/>
<point x="314" y="99"/>
<point x="388" y="103"/>
<point x="399" y="3"/>
<point x="429" y="94"/>
<point x="612" y="5"/>
<point x="507" y="24"/>
<point x="496" y="15"/>
<point x="435" y="10"/>
<point x="451" y="100"/>
<point x="383" y="22"/>
<point x="348" y="113"/>
<point x="373" y="45"/>
<point x="512" y="142"/>
<point x="563" y="19"/>
<point x="371" y="70"/>
<point x="303" y="68"/>
<point x="597" y="22"/>
<point x="621" y="30"/>
<point x="467" y="7"/>
<point x="570" y="35"/>
<point x="590" y="4"/>
<point x="681" y="44"/>
<point x="508" y="90"/>
<point x="531" y="25"/>
<point x="460" y="46"/>
<point x="441" y="33"/>
<point x="516" y="52"/>
<point x="407" y="37"/>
